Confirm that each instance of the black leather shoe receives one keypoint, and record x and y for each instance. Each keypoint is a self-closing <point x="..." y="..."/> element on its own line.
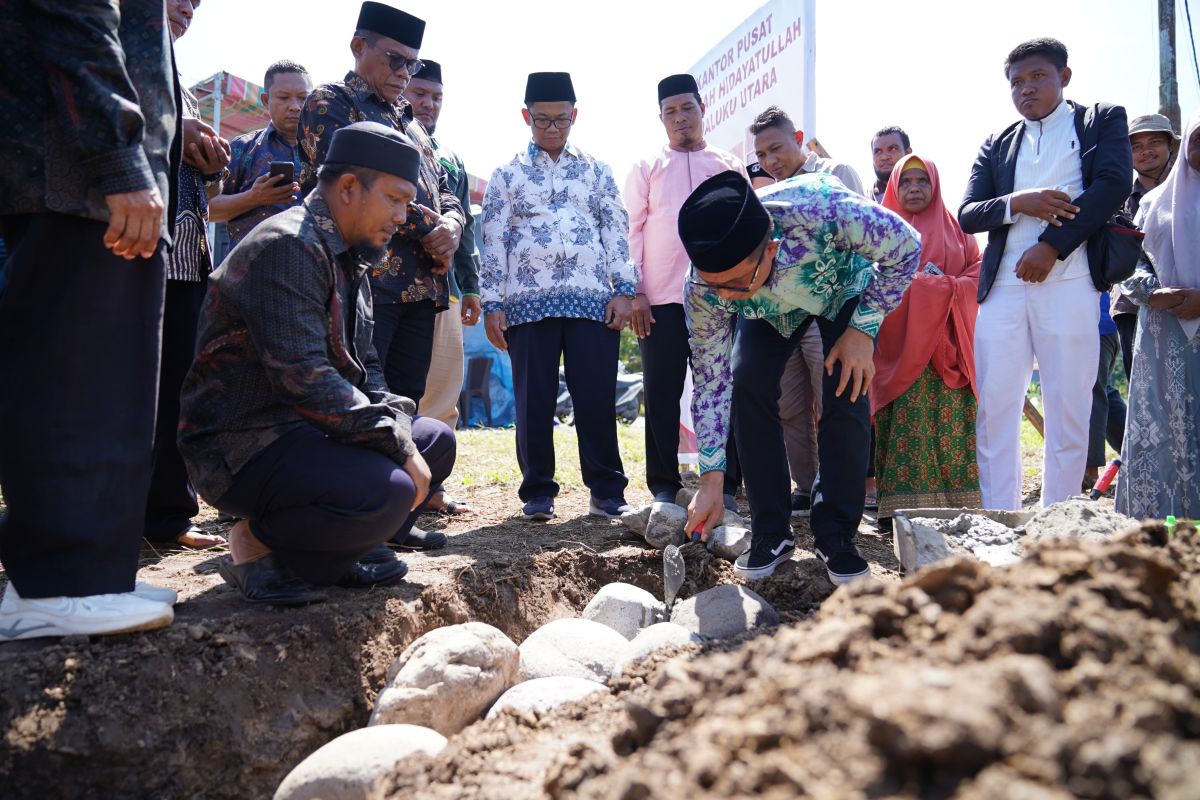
<point x="379" y="555"/>
<point x="364" y="576"/>
<point x="418" y="539"/>
<point x="268" y="581"/>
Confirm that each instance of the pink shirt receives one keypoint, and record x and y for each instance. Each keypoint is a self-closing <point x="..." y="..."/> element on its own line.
<point x="653" y="195"/>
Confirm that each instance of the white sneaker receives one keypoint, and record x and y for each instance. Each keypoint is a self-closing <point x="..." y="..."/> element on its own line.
<point x="91" y="615"/>
<point x="159" y="594"/>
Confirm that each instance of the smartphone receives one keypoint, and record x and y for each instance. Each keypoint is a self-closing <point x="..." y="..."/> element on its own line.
<point x="285" y="168"/>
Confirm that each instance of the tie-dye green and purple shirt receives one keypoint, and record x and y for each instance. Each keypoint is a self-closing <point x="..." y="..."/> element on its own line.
<point x="835" y="245"/>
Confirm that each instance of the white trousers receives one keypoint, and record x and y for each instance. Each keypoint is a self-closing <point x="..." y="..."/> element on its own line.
<point x="1057" y="324"/>
<point x="444" y="381"/>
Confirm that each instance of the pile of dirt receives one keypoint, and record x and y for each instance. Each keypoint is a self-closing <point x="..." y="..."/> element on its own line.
<point x="1073" y="673"/>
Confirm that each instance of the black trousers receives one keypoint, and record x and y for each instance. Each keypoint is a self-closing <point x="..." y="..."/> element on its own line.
<point x="589" y="353"/>
<point x="760" y="353"/>
<point x="80" y="334"/>
<point x="404" y="341"/>
<point x="665" y="357"/>
<point x="320" y="505"/>
<point x="1126" y="331"/>
<point x="171" y="503"/>
<point x="1108" y="408"/>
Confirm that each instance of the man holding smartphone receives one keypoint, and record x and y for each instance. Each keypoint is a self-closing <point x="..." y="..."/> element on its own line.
<point x="264" y="171"/>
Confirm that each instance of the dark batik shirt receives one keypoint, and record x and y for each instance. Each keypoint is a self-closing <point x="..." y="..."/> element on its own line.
<point x="251" y="159"/>
<point x="407" y="275"/>
<point x="279" y="347"/>
<point x="88" y="106"/>
<point x="466" y="257"/>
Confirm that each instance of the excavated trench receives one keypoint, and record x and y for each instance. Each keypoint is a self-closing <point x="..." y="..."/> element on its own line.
<point x="225" y="702"/>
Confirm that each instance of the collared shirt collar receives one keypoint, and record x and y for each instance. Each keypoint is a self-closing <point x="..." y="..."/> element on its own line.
<point x="703" y="146"/>
<point x="324" y="224"/>
<point x="1055" y="117"/>
<point x="358" y="84"/>
<point x="534" y="149"/>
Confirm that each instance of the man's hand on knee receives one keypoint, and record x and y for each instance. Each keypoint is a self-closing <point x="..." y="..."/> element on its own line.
<point x="856" y="352"/>
<point x="418" y="470"/>
<point x="707" y="508"/>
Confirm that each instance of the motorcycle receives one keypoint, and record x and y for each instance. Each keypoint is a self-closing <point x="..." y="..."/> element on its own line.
<point x="629" y="398"/>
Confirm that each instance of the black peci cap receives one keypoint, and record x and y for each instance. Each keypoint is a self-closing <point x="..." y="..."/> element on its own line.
<point x="375" y="146"/>
<point x="677" y="84"/>
<point x="392" y="23"/>
<point x="722" y="222"/>
<point x="432" y="71"/>
<point x="549" y="87"/>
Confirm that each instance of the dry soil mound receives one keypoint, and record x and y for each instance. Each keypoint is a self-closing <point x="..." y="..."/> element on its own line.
<point x="1073" y="673"/>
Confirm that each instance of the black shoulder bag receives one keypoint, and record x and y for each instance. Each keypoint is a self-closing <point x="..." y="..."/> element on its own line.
<point x="1119" y="241"/>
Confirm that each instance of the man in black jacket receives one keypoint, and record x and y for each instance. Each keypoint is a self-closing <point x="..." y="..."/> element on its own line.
<point x="286" y="420"/>
<point x="1041" y="188"/>
<point x="89" y="149"/>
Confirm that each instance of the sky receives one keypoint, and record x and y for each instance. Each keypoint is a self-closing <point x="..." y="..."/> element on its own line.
<point x="934" y="67"/>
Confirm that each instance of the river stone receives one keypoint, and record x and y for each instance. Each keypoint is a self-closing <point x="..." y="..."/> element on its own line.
<point x="571" y="648"/>
<point x="650" y="640"/>
<point x="732" y="519"/>
<point x="636" y="520"/>
<point x="625" y="608"/>
<point x="446" y="679"/>
<point x="723" y="611"/>
<point x="353" y="766"/>
<point x="542" y="694"/>
<point x="728" y="542"/>
<point x="665" y="525"/>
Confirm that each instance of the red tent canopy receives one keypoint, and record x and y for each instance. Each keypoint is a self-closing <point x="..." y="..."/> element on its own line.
<point x="236" y="100"/>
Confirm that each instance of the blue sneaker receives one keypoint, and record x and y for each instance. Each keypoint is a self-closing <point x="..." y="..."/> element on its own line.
<point x="539" y="509"/>
<point x="612" y="508"/>
<point x="665" y="496"/>
<point x="730" y="503"/>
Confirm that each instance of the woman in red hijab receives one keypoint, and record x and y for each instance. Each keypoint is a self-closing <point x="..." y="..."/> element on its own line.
<point x="923" y="396"/>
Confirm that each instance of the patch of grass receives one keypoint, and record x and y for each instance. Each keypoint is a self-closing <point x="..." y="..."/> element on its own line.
<point x="488" y="457"/>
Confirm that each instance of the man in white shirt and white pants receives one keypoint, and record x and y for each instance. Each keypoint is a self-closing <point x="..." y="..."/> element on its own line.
<point x="1041" y="188"/>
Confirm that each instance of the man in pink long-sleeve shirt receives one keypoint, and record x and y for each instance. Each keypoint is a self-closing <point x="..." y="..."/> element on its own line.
<point x="655" y="191"/>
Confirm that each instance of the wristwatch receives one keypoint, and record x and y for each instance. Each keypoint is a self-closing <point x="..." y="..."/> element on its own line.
<point x="216" y="177"/>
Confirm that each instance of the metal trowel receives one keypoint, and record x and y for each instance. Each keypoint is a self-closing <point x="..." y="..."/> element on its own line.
<point x="674" y="572"/>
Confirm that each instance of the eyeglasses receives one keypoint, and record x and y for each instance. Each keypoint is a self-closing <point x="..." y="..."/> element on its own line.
<point x="543" y="124"/>
<point x="398" y="61"/>
<point x="692" y="279"/>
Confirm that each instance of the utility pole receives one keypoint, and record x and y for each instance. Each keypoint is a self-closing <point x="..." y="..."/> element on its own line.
<point x="1168" y="87"/>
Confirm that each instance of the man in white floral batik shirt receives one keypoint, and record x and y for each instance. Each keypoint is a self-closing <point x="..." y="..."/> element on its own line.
<point x="803" y="251"/>
<point x="557" y="282"/>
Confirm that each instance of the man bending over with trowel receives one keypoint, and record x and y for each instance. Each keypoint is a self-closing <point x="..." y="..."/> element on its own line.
<point x="801" y="254"/>
<point x="287" y="422"/>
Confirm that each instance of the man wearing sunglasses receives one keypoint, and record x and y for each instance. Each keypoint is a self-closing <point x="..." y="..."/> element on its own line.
<point x="410" y="287"/>
<point x="557" y="283"/>
<point x="800" y="252"/>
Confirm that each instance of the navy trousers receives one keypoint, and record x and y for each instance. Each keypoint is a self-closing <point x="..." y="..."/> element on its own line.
<point x="665" y="356"/>
<point x="1108" y="407"/>
<point x="403" y="338"/>
<point x="320" y="505"/>
<point x="760" y="353"/>
<point x="172" y="500"/>
<point x="80" y="334"/>
<point x="588" y="350"/>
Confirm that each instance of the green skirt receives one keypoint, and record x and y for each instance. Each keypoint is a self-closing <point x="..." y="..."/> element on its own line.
<point x="925" y="448"/>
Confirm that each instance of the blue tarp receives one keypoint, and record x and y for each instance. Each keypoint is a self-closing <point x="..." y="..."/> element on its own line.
<point x="475" y="344"/>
